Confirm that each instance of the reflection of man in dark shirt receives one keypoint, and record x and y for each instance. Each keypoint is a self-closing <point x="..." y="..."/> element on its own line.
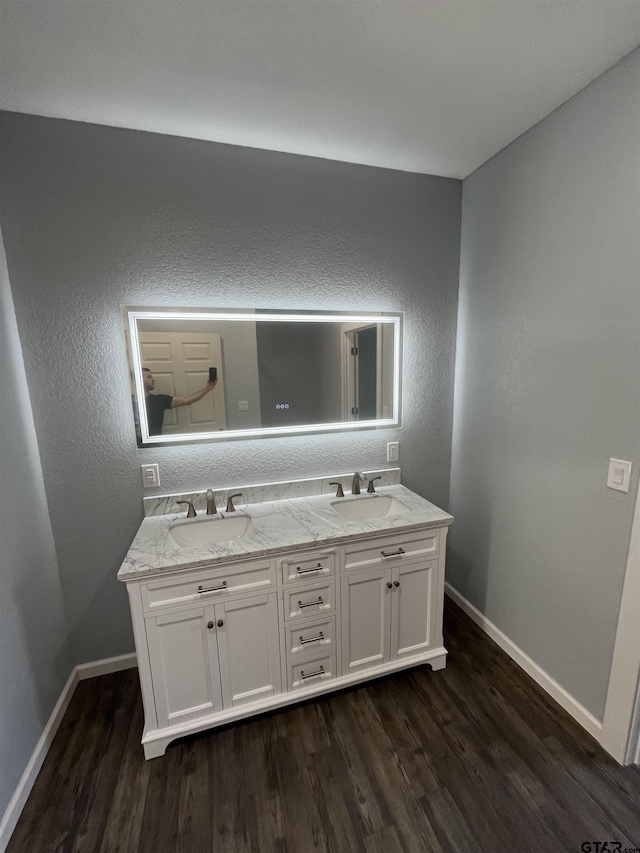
<point x="158" y="403"/>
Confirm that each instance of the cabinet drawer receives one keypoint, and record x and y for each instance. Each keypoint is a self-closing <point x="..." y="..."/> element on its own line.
<point x="305" y="639"/>
<point x="310" y="566"/>
<point x="310" y="599"/>
<point x="388" y="551"/>
<point x="208" y="585"/>
<point x="312" y="671"/>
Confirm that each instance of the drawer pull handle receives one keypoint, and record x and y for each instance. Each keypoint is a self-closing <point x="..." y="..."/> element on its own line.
<point x="201" y="589"/>
<point x="315" y="674"/>
<point x="317" y="568"/>
<point x="397" y="553"/>
<point x="317" y="639"/>
<point x="311" y="603"/>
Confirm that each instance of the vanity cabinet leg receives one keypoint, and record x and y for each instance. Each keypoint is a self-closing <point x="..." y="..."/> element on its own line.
<point x="156" y="748"/>
<point x="438" y="663"/>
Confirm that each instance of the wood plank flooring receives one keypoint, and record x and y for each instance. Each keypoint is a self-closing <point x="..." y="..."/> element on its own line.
<point x="472" y="759"/>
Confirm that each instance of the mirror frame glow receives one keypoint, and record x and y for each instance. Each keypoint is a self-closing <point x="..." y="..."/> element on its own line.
<point x="131" y="316"/>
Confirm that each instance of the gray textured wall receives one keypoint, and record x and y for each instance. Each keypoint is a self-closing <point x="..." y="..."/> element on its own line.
<point x="547" y="382"/>
<point x="95" y="217"/>
<point x="35" y="659"/>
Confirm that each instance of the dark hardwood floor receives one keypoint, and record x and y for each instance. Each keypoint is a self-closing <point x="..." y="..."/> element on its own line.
<point x="473" y="758"/>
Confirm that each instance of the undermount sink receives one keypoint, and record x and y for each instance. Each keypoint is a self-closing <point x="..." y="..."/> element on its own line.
<point x="368" y="506"/>
<point x="209" y="530"/>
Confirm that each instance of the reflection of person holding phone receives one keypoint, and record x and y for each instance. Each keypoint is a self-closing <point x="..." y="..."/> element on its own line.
<point x="157" y="403"/>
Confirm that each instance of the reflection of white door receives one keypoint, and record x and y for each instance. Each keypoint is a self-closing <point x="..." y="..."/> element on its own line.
<point x="180" y="362"/>
<point x="362" y="385"/>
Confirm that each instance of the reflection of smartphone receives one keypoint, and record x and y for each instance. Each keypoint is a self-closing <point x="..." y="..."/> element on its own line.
<point x="213" y="374"/>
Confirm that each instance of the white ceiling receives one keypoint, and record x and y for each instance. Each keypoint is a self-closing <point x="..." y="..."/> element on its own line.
<point x="435" y="86"/>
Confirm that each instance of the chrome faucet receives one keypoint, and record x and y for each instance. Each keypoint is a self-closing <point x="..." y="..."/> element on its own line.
<point x="371" y="489"/>
<point x="191" y="513"/>
<point x="358" y="477"/>
<point x="339" y="490"/>
<point x="230" y="506"/>
<point x="211" y="503"/>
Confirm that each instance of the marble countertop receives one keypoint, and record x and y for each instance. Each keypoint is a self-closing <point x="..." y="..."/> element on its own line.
<point x="277" y="526"/>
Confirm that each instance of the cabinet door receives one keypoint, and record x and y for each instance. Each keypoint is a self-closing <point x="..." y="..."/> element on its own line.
<point x="248" y="649"/>
<point x="183" y="655"/>
<point x="366" y="619"/>
<point x="413" y="618"/>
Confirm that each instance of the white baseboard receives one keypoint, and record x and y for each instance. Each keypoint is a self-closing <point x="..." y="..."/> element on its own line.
<point x="16" y="804"/>
<point x="21" y="794"/>
<point x="555" y="690"/>
<point x="106" y="666"/>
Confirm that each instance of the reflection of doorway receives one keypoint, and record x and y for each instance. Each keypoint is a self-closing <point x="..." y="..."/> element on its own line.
<point x="366" y="345"/>
<point x="362" y="374"/>
<point x="180" y="362"/>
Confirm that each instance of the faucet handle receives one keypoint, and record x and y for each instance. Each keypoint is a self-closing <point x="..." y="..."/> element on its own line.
<point x="358" y="477"/>
<point x="191" y="513"/>
<point x="371" y="488"/>
<point x="339" y="491"/>
<point x="230" y="506"/>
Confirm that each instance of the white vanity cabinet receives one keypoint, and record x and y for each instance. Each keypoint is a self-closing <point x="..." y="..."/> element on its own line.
<point x="387" y="614"/>
<point x="183" y="654"/>
<point x="309" y="599"/>
<point x="204" y="659"/>
<point x="391" y="601"/>
<point x="219" y="643"/>
<point x="207" y="641"/>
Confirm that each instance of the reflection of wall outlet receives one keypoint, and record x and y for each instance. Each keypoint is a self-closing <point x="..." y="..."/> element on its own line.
<point x="393" y="451"/>
<point x="150" y="476"/>
<point x="243" y="405"/>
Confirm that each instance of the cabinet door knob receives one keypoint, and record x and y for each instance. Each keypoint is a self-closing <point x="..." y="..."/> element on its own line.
<point x="396" y="583"/>
<point x="220" y="623"/>
<point x="209" y="624"/>
<point x="389" y="584"/>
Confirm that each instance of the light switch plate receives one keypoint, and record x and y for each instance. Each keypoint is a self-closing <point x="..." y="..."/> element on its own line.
<point x="243" y="405"/>
<point x="150" y="476"/>
<point x="393" y="451"/>
<point x="619" y="476"/>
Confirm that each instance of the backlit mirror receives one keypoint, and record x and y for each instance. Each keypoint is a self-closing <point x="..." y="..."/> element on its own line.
<point x="273" y="372"/>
